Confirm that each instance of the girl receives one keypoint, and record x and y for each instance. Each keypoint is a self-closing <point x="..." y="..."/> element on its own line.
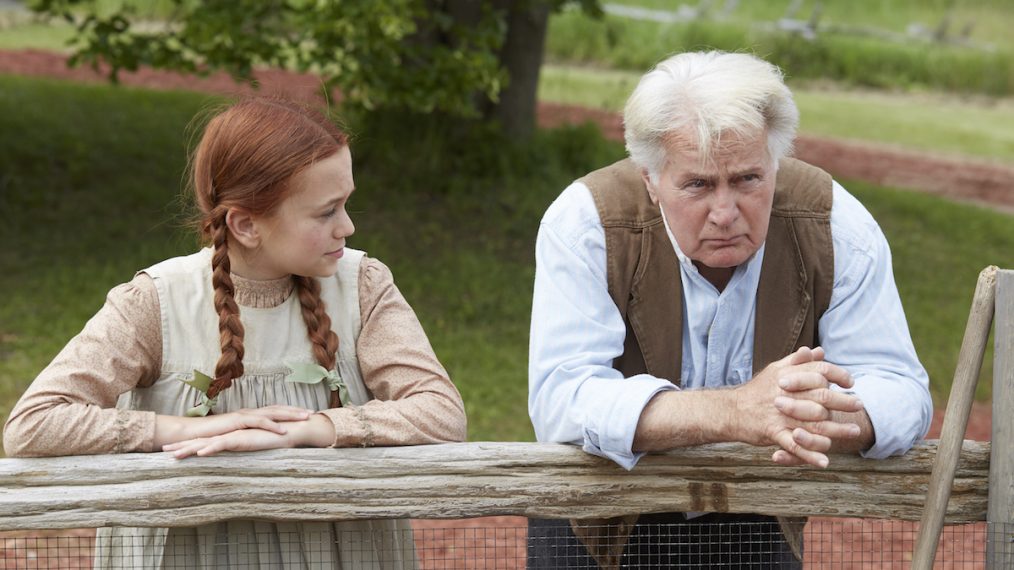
<point x="275" y="336"/>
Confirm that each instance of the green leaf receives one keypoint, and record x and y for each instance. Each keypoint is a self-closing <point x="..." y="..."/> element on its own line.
<point x="306" y="372"/>
<point x="201" y="382"/>
<point x="202" y="409"/>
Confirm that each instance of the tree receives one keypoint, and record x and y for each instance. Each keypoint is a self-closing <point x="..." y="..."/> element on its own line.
<point x="461" y="57"/>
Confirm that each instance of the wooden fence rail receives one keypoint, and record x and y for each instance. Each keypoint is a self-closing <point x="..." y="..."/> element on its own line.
<point x="467" y="480"/>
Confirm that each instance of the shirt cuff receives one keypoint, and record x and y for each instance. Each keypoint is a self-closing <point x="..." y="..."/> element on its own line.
<point x="610" y="427"/>
<point x="135" y="431"/>
<point x="900" y="417"/>
<point x="350" y="426"/>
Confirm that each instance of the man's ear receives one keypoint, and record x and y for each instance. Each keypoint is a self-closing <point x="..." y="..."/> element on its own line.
<point x="241" y="224"/>
<point x="652" y="189"/>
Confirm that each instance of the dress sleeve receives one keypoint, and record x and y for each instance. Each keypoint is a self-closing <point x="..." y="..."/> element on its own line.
<point x="415" y="401"/>
<point x="70" y="407"/>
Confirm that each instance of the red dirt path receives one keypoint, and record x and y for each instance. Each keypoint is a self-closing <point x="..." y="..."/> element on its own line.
<point x="970" y="180"/>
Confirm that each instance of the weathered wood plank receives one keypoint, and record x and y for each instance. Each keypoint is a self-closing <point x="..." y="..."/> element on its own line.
<point x="959" y="406"/>
<point x="463" y="480"/>
<point x="1001" y="467"/>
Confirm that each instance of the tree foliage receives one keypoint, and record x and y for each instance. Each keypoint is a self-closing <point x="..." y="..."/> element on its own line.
<point x="418" y="55"/>
<point x="390" y="53"/>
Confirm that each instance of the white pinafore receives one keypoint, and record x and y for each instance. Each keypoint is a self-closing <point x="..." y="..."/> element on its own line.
<point x="273" y="337"/>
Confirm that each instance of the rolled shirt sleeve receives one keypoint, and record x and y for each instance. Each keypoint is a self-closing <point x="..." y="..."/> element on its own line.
<point x="575" y="395"/>
<point x="865" y="331"/>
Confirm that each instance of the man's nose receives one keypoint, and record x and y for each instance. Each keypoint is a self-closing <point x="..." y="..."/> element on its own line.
<point x="724" y="208"/>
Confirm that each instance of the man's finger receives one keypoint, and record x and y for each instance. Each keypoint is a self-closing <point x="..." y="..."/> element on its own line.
<point x="801" y="409"/>
<point x="816" y="405"/>
<point x="802" y="355"/>
<point x="785" y="458"/>
<point x="811" y="441"/>
<point x="832" y="372"/>
<point x="798" y="380"/>
<point x="833" y="430"/>
<point x="785" y="440"/>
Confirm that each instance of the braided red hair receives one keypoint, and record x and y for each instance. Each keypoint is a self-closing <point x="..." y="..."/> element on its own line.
<point x="245" y="159"/>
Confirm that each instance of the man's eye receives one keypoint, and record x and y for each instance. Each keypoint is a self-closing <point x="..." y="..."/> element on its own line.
<point x="696" y="184"/>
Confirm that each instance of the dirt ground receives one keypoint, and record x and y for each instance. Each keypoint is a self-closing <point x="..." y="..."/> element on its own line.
<point x="495" y="540"/>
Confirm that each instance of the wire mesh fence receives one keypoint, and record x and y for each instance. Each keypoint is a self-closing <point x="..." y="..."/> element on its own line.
<point x="506" y="543"/>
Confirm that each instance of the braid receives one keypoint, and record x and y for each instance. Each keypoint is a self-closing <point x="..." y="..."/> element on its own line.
<point x="318" y="326"/>
<point x="230" y="364"/>
<point x="247" y="158"/>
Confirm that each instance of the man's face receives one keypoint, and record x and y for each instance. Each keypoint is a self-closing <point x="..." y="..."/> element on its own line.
<point x="718" y="210"/>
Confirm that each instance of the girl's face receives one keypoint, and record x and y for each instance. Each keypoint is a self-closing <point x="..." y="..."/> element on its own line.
<point x="306" y="234"/>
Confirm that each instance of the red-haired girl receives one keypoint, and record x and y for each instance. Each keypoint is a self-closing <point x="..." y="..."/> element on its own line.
<point x="276" y="335"/>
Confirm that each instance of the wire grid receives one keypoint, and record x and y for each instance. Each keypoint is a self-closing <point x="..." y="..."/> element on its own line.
<point x="504" y="543"/>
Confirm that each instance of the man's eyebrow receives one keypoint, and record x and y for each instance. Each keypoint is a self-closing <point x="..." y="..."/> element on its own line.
<point x="696" y="176"/>
<point x="747" y="169"/>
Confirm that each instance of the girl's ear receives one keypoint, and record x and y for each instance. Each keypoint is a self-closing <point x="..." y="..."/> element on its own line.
<point x="242" y="227"/>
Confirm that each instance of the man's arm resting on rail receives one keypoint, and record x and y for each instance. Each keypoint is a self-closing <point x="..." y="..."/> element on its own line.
<point x="789" y="404"/>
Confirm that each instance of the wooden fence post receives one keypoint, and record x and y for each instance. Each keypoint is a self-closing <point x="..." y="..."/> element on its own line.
<point x="959" y="406"/>
<point x="1000" y="515"/>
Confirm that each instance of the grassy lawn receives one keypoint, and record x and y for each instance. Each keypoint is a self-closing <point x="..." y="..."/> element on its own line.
<point x="854" y="59"/>
<point x="991" y="20"/>
<point x="90" y="194"/>
<point x="36" y="35"/>
<point x="982" y="128"/>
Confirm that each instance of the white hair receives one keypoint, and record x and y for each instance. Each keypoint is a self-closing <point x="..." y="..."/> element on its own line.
<point x="708" y="94"/>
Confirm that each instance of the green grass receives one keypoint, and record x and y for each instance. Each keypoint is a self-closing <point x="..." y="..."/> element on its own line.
<point x="88" y="195"/>
<point x="981" y="128"/>
<point x="866" y="61"/>
<point x="36" y="35"/>
<point x="939" y="248"/>
<point x="991" y="19"/>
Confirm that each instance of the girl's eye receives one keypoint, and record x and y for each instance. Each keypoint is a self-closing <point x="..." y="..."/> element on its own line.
<point x="329" y="213"/>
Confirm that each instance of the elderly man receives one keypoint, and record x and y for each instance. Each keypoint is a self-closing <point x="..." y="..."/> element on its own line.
<point x="710" y="289"/>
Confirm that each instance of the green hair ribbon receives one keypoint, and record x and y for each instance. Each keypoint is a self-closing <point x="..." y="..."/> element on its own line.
<point x="309" y="373"/>
<point x="201" y="383"/>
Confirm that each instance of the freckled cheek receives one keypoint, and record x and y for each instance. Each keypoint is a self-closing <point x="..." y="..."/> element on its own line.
<point x="314" y="241"/>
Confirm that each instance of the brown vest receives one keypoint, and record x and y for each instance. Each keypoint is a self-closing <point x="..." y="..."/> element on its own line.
<point x="643" y="272"/>
<point x="643" y="275"/>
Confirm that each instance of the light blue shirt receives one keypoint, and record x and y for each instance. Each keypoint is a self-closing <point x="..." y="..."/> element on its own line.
<point x="575" y="395"/>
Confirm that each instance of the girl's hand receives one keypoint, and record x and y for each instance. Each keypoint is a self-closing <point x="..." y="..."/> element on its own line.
<point x="172" y="429"/>
<point x="240" y="440"/>
<point x="316" y="431"/>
